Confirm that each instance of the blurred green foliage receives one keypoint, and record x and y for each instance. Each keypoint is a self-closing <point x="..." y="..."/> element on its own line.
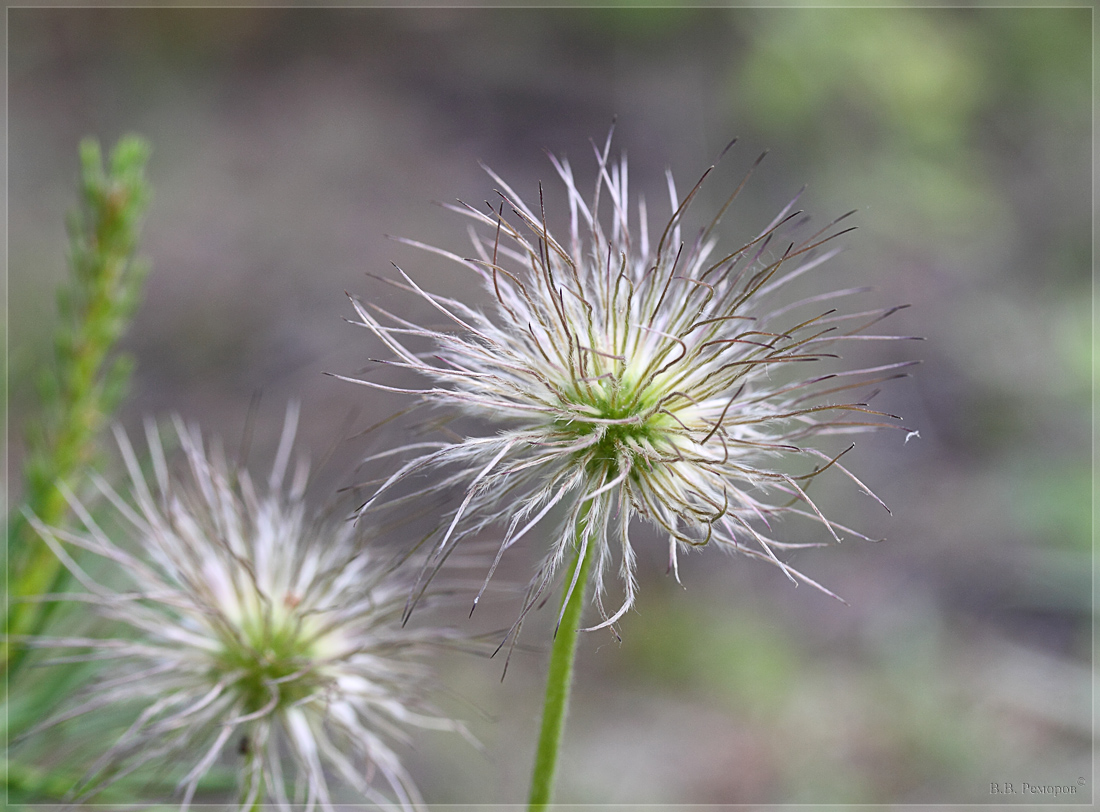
<point x="914" y="98"/>
<point x="742" y="659"/>
<point x="81" y="390"/>
<point x="903" y="74"/>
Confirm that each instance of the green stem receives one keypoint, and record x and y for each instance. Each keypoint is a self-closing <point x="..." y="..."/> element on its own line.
<point x="558" y="679"/>
<point x="82" y="389"/>
<point x="250" y="764"/>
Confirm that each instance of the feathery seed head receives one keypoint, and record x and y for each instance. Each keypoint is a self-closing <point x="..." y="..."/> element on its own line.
<point x="251" y="625"/>
<point x="619" y="377"/>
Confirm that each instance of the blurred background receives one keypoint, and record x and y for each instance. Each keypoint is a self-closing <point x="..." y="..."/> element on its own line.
<point x="287" y="143"/>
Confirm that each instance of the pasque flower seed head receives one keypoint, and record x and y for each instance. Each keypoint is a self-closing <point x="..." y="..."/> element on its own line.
<point x="620" y="376"/>
<point x="248" y="630"/>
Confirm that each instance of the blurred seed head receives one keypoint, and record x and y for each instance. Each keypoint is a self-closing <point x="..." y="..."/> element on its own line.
<point x="248" y="630"/>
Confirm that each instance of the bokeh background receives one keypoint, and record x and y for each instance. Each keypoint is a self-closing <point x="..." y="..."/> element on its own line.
<point x="287" y="143"/>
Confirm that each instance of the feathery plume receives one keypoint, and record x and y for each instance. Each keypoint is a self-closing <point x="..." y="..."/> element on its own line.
<point x="617" y="377"/>
<point x="248" y="630"/>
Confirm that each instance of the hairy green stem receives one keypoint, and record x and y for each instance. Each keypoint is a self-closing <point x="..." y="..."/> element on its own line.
<point x="81" y="390"/>
<point x="559" y="677"/>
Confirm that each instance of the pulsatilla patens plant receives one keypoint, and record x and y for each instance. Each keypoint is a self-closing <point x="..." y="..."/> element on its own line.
<point x="622" y="374"/>
<point x="248" y="631"/>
